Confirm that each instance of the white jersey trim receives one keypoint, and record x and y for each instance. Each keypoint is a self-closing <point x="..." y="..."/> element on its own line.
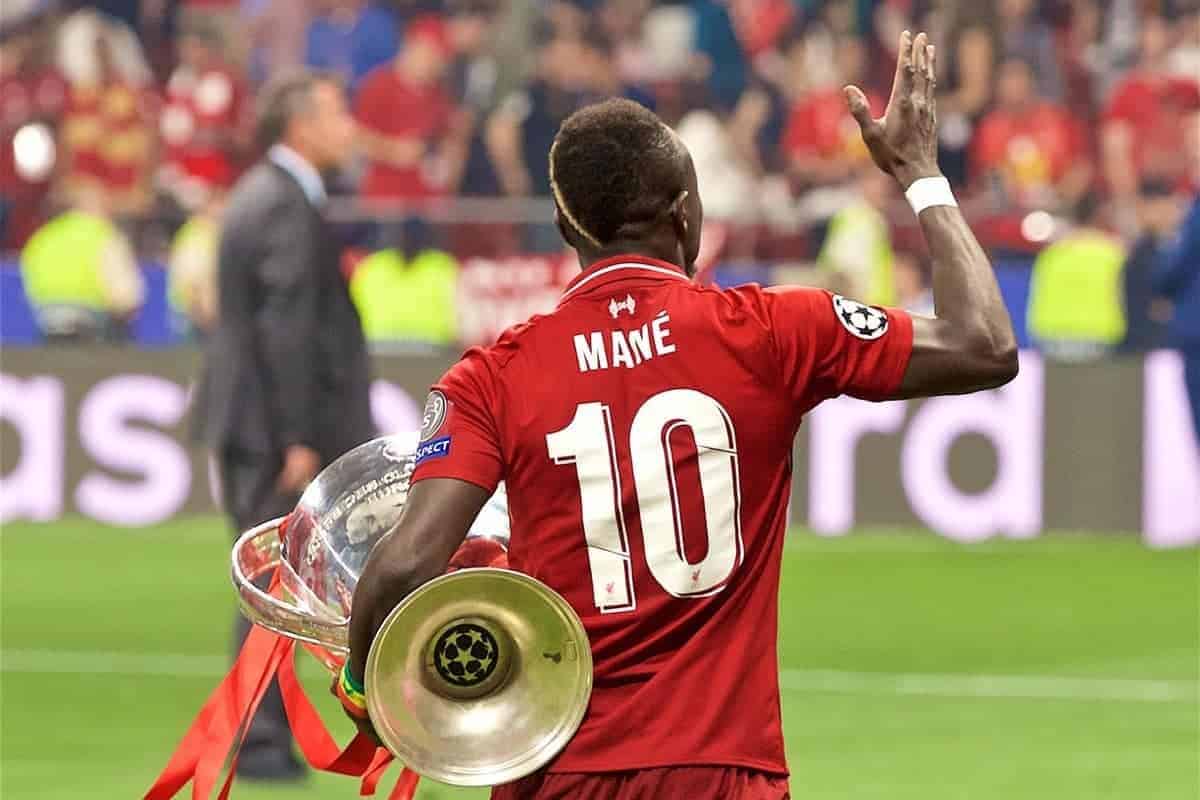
<point x="650" y="267"/>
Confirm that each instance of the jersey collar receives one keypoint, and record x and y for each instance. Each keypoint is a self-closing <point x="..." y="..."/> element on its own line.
<point x="620" y="268"/>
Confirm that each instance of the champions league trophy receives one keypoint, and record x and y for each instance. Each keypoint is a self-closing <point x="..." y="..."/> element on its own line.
<point x="479" y="677"/>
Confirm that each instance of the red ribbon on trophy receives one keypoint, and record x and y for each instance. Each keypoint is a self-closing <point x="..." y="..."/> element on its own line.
<point x="216" y="734"/>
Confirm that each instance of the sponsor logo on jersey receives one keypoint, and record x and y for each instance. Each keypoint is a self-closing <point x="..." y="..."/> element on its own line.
<point x="434" y="415"/>
<point x="862" y="321"/>
<point x="615" y="306"/>
<point x="432" y="449"/>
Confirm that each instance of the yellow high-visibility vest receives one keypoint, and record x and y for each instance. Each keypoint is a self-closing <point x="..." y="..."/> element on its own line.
<point x="1075" y="294"/>
<point x="61" y="262"/>
<point x="407" y="302"/>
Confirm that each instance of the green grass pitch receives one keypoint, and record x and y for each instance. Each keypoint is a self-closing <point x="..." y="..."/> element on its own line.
<point x="1064" y="668"/>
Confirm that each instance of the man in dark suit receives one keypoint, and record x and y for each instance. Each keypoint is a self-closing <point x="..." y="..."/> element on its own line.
<point x="286" y="379"/>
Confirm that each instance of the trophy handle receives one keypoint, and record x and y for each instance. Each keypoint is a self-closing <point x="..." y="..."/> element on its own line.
<point x="258" y="552"/>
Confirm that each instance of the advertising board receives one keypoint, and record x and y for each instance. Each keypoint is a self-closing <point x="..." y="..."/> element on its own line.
<point x="103" y="433"/>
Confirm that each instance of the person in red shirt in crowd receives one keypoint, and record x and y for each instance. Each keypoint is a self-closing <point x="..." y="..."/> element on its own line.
<point x="820" y="140"/>
<point x="404" y="114"/>
<point x="644" y="430"/>
<point x="33" y="97"/>
<point x="108" y="135"/>
<point x="204" y="122"/>
<point x="760" y="24"/>
<point x="1144" y="129"/>
<point x="1034" y="148"/>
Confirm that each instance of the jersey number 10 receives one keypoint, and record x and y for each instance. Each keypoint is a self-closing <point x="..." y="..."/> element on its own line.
<point x="589" y="443"/>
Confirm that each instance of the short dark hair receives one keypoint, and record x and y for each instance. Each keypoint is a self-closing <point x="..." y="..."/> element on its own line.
<point x="614" y="165"/>
<point x="285" y="96"/>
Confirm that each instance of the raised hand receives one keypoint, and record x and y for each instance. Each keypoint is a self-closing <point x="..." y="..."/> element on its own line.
<point x="903" y="143"/>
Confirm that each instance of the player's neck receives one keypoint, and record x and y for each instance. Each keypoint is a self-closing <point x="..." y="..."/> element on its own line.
<point x="659" y="251"/>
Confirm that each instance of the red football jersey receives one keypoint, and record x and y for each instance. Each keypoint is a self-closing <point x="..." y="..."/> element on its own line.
<point x="644" y="429"/>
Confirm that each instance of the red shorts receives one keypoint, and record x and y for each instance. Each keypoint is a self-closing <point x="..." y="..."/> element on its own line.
<point x="663" y="783"/>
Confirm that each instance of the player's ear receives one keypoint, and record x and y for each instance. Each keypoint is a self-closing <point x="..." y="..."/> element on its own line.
<point x="679" y="216"/>
<point x="564" y="229"/>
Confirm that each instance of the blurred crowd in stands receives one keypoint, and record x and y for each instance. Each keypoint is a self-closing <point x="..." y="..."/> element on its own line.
<point x="1070" y="128"/>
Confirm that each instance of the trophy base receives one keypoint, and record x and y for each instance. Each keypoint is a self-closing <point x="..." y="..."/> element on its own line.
<point x="479" y="677"/>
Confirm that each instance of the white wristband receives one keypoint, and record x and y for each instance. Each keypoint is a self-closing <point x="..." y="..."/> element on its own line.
<point x="929" y="192"/>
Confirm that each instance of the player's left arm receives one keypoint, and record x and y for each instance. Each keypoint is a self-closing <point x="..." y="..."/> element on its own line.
<point x="458" y="465"/>
<point x="435" y="521"/>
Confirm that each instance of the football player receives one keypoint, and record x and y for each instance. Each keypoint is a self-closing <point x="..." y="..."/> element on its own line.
<point x="644" y="429"/>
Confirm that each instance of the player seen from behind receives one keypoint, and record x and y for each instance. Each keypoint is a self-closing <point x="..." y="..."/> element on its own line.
<point x="644" y="429"/>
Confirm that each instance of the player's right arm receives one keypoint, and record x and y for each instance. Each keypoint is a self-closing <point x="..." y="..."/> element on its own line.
<point x="969" y="344"/>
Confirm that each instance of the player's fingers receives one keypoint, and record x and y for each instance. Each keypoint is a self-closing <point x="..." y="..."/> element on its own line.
<point x="931" y="86"/>
<point x="902" y="83"/>
<point x="859" y="108"/>
<point x="919" y="69"/>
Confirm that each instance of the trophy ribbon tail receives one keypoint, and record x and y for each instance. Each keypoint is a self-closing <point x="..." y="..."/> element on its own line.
<point x="361" y="758"/>
<point x="223" y="721"/>
<point x="217" y="733"/>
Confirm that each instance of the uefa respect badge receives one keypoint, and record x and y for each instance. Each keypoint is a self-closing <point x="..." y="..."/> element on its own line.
<point x="433" y="421"/>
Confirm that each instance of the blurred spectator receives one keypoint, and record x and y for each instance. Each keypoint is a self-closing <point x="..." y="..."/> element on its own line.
<point x="514" y="28"/>
<point x="756" y="127"/>
<point x="16" y="13"/>
<point x="1075" y="296"/>
<point x="474" y="80"/>
<point x="621" y="22"/>
<point x="722" y="63"/>
<point x="82" y="63"/>
<point x="1029" y="147"/>
<point x="192" y="270"/>
<point x="1178" y="278"/>
<point x="761" y="24"/>
<point x="858" y="246"/>
<point x="726" y="181"/>
<point x="108" y="133"/>
<point x="204" y="121"/>
<point x="568" y="18"/>
<point x="33" y="96"/>
<point x="278" y="33"/>
<point x="127" y="12"/>
<point x="821" y="141"/>
<point x="1184" y="58"/>
<point x="227" y="21"/>
<point x="1021" y="34"/>
<point x="405" y="116"/>
<point x="966" y="63"/>
<point x="80" y="273"/>
<point x="521" y="131"/>
<point x="668" y="33"/>
<point x="1086" y="59"/>
<point x="1146" y="313"/>
<point x="405" y="293"/>
<point x="351" y="38"/>
<point x="1145" y="122"/>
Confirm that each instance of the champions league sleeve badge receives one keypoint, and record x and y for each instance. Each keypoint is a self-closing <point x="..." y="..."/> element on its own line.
<point x="437" y="407"/>
<point x="434" y="414"/>
<point x="863" y="321"/>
